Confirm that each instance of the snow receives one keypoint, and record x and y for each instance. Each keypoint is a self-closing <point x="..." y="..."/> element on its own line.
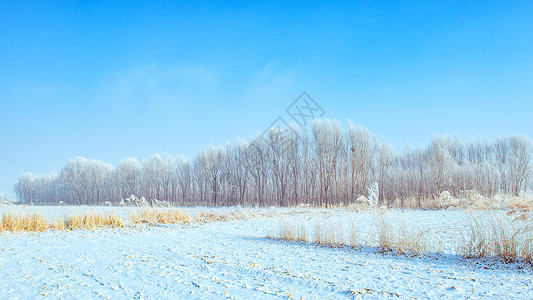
<point x="237" y="260"/>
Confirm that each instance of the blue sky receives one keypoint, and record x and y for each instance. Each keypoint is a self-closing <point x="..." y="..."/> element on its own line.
<point x="109" y="80"/>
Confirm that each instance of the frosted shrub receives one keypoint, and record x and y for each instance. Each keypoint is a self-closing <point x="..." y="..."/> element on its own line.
<point x="134" y="201"/>
<point x="476" y="200"/>
<point x="3" y="199"/>
<point x="446" y="200"/>
<point x="160" y="203"/>
<point x="362" y="200"/>
<point x="373" y="194"/>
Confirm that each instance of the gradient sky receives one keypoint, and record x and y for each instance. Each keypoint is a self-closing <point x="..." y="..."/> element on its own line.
<point x="109" y="80"/>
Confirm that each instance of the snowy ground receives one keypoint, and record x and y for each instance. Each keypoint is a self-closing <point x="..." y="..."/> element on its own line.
<point x="234" y="259"/>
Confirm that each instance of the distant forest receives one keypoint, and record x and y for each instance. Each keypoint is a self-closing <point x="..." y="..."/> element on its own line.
<point x="291" y="166"/>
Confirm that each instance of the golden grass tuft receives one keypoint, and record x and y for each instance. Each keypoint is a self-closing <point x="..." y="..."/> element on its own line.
<point x="158" y="216"/>
<point x="92" y="221"/>
<point x="17" y="222"/>
<point x="36" y="223"/>
<point x="292" y="231"/>
<point x="206" y="217"/>
<point x="519" y="205"/>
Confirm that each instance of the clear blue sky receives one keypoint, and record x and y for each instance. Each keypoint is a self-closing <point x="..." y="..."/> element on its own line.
<point x="109" y="80"/>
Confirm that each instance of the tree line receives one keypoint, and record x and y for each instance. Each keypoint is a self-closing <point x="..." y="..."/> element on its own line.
<point x="291" y="166"/>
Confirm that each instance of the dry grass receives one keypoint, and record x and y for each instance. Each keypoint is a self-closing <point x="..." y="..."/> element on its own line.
<point x="207" y="217"/>
<point x="159" y="216"/>
<point x="395" y="237"/>
<point x="405" y="239"/>
<point x="520" y="206"/>
<point x="414" y="203"/>
<point x="509" y="238"/>
<point x="34" y="222"/>
<point x="473" y="200"/>
<point x="290" y="230"/>
<point x="90" y="221"/>
<point x="331" y="233"/>
<point x="326" y="232"/>
<point x="29" y="222"/>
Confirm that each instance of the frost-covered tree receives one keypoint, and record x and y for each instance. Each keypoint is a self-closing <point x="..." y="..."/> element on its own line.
<point x="127" y="178"/>
<point x="328" y="143"/>
<point x="441" y="164"/>
<point x="292" y="166"/>
<point x="519" y="163"/>
<point x="361" y="144"/>
<point x="211" y="160"/>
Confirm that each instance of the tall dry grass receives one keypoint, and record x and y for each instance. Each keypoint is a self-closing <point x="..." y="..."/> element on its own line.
<point x="391" y="236"/>
<point x="329" y="232"/>
<point x="206" y="217"/>
<point x="414" y="203"/>
<point x="509" y="238"/>
<point x="405" y="239"/>
<point x="34" y="222"/>
<point x="293" y="230"/>
<point x="158" y="216"/>
<point x="89" y="221"/>
<point x="17" y="222"/>
<point x="473" y="200"/>
<point x="325" y="232"/>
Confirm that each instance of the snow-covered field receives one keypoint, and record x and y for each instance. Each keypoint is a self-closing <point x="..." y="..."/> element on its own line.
<point x="236" y="259"/>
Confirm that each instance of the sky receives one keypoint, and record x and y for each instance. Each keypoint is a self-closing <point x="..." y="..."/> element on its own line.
<point x="114" y="79"/>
